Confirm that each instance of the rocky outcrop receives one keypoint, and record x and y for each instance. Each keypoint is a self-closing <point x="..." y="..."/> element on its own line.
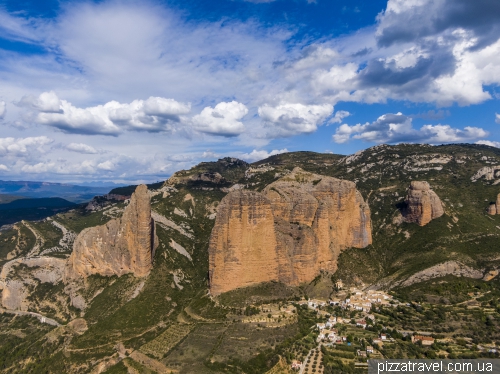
<point x="422" y="204"/>
<point x="495" y="208"/>
<point x="121" y="246"/>
<point x="19" y="277"/>
<point x="440" y="270"/>
<point x="296" y="227"/>
<point x="488" y="172"/>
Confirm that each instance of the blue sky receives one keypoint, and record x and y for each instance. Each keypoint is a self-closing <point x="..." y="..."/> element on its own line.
<point x="133" y="91"/>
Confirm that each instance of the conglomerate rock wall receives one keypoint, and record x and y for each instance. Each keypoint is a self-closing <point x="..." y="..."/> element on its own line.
<point x="121" y="246"/>
<point x="296" y="227"/>
<point x="422" y="204"/>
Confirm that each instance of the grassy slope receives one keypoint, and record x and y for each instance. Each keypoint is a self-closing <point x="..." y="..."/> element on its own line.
<point x="401" y="249"/>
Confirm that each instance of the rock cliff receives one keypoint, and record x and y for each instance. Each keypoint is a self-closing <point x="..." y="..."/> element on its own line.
<point x="123" y="245"/>
<point x="242" y="247"/>
<point x="495" y="208"/>
<point x="296" y="227"/>
<point x="422" y="204"/>
<point x="20" y="277"/>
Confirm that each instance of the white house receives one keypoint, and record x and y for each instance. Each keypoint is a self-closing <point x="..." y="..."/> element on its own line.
<point x="296" y="365"/>
<point x="320" y="326"/>
<point x="361" y="323"/>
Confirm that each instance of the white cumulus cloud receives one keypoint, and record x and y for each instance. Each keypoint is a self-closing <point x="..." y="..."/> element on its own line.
<point x="223" y="120"/>
<point x="397" y="128"/>
<point x="489" y="142"/>
<point x="210" y="154"/>
<point x="497" y="118"/>
<point x="339" y="116"/>
<point x="290" y="119"/>
<point x="81" y="148"/>
<point x="3" y="168"/>
<point x="20" y="147"/>
<point x="256" y="155"/>
<point x="41" y="167"/>
<point x="47" y="102"/>
<point x="106" y="165"/>
<point x="152" y="115"/>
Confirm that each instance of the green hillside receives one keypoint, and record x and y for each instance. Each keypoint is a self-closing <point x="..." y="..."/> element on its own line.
<point x="172" y="324"/>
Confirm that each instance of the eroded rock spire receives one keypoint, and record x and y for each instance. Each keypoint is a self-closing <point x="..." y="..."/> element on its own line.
<point x="121" y="246"/>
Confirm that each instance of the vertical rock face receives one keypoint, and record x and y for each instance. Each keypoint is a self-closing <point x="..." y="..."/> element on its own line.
<point x="422" y="204"/>
<point x="123" y="245"/>
<point x="296" y="227"/>
<point x="243" y="244"/>
<point x="495" y="208"/>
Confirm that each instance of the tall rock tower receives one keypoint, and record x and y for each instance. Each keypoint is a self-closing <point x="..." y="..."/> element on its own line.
<point x="121" y="246"/>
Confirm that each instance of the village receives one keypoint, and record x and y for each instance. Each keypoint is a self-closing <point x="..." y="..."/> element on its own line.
<point x="349" y="308"/>
<point x="356" y="324"/>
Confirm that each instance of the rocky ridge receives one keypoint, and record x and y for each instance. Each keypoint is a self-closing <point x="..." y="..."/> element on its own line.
<point x="295" y="228"/>
<point x="16" y="289"/>
<point x="123" y="245"/>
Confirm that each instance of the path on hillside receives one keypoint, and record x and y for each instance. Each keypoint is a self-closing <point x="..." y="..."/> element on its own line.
<point x="39" y="242"/>
<point x="41" y="317"/>
<point x="66" y="242"/>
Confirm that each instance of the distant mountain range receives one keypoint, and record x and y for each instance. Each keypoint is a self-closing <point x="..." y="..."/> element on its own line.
<point x="73" y="193"/>
<point x="32" y="209"/>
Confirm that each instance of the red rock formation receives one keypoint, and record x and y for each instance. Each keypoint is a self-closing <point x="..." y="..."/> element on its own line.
<point x="422" y="204"/>
<point x="123" y="245"/>
<point x="495" y="208"/>
<point x="243" y="243"/>
<point x="297" y="226"/>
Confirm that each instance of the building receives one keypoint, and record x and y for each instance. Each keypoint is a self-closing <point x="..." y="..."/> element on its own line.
<point x="361" y="323"/>
<point x="426" y="340"/>
<point x="369" y="349"/>
<point x="316" y="303"/>
<point x="361" y="353"/>
<point x="383" y="336"/>
<point x="331" y="321"/>
<point x="296" y="365"/>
